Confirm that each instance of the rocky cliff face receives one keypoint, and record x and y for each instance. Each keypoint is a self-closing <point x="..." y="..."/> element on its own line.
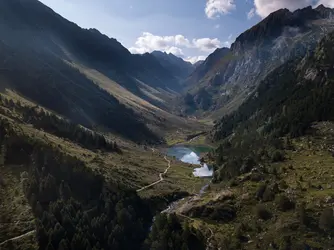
<point x="282" y="36"/>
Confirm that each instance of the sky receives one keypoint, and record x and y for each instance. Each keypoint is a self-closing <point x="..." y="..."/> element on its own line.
<point x="191" y="29"/>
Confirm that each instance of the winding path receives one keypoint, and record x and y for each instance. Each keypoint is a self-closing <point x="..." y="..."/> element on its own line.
<point x="160" y="175"/>
<point x="18" y="237"/>
<point x="208" y="242"/>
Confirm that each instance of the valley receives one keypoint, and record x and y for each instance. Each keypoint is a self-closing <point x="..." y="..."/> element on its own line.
<point x="101" y="148"/>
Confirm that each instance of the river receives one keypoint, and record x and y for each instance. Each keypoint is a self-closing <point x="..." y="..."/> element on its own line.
<point x="189" y="155"/>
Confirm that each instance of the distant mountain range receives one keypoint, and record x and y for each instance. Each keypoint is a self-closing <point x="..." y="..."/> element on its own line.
<point x="176" y="65"/>
<point x="95" y="81"/>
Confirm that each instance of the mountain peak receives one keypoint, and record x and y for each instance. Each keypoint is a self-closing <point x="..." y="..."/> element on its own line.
<point x="273" y="25"/>
<point x="321" y="7"/>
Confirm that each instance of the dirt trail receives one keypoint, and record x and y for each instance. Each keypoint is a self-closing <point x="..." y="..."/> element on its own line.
<point x="208" y="242"/>
<point x="18" y="237"/>
<point x="160" y="176"/>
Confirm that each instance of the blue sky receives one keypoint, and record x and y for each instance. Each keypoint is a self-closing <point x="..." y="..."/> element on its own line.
<point x="191" y="29"/>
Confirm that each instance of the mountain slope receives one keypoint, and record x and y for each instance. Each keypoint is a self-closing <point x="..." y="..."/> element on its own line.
<point x="177" y="66"/>
<point x="290" y="98"/>
<point x="282" y="36"/>
<point x="82" y="74"/>
<point x="273" y="184"/>
<point x="88" y="45"/>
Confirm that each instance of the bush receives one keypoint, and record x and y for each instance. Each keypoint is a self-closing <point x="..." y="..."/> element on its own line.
<point x="256" y="177"/>
<point x="239" y="232"/>
<point x="224" y="213"/>
<point x="283" y="185"/>
<point x="247" y="166"/>
<point x="284" y="203"/>
<point x="262" y="212"/>
<point x="277" y="156"/>
<point x="234" y="182"/>
<point x="260" y="191"/>
<point x="302" y="215"/>
<point x="268" y="195"/>
<point x="326" y="221"/>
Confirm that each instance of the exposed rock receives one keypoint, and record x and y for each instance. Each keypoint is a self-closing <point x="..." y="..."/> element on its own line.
<point x="280" y="37"/>
<point x="224" y="195"/>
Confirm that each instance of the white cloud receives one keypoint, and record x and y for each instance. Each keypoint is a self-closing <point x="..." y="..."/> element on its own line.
<point x="178" y="45"/>
<point x="206" y="44"/>
<point x="265" y="7"/>
<point x="181" y="41"/>
<point x="251" y="14"/>
<point x="214" y="8"/>
<point x="217" y="26"/>
<point x="194" y="59"/>
<point x="148" y="42"/>
<point x="175" y="51"/>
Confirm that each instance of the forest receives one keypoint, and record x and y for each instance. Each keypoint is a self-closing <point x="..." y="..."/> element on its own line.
<point x="76" y="208"/>
<point x="58" y="126"/>
<point x="285" y="104"/>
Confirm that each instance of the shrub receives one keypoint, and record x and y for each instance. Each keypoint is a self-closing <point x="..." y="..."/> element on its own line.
<point x="302" y="215"/>
<point x="262" y="212"/>
<point x="277" y="156"/>
<point x="268" y="195"/>
<point x="256" y="177"/>
<point x="283" y="185"/>
<point x="234" y="182"/>
<point x="326" y="221"/>
<point x="239" y="232"/>
<point x="224" y="213"/>
<point x="247" y="166"/>
<point x="284" y="203"/>
<point x="260" y="191"/>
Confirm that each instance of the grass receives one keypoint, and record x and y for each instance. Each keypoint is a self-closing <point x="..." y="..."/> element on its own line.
<point x="136" y="167"/>
<point x="308" y="173"/>
<point x="159" y="119"/>
<point x="16" y="217"/>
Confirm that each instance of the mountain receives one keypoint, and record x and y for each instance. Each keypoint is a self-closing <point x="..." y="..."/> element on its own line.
<point x="273" y="162"/>
<point x="196" y="64"/>
<point x="289" y="99"/>
<point x="231" y="77"/>
<point x="176" y="65"/>
<point x="204" y="67"/>
<point x="82" y="74"/>
<point x="90" y="46"/>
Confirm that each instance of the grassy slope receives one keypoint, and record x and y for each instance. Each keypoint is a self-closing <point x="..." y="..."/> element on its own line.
<point x="15" y="213"/>
<point x="308" y="174"/>
<point x="136" y="167"/>
<point x="159" y="120"/>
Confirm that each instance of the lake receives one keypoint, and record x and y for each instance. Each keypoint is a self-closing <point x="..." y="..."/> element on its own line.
<point x="191" y="155"/>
